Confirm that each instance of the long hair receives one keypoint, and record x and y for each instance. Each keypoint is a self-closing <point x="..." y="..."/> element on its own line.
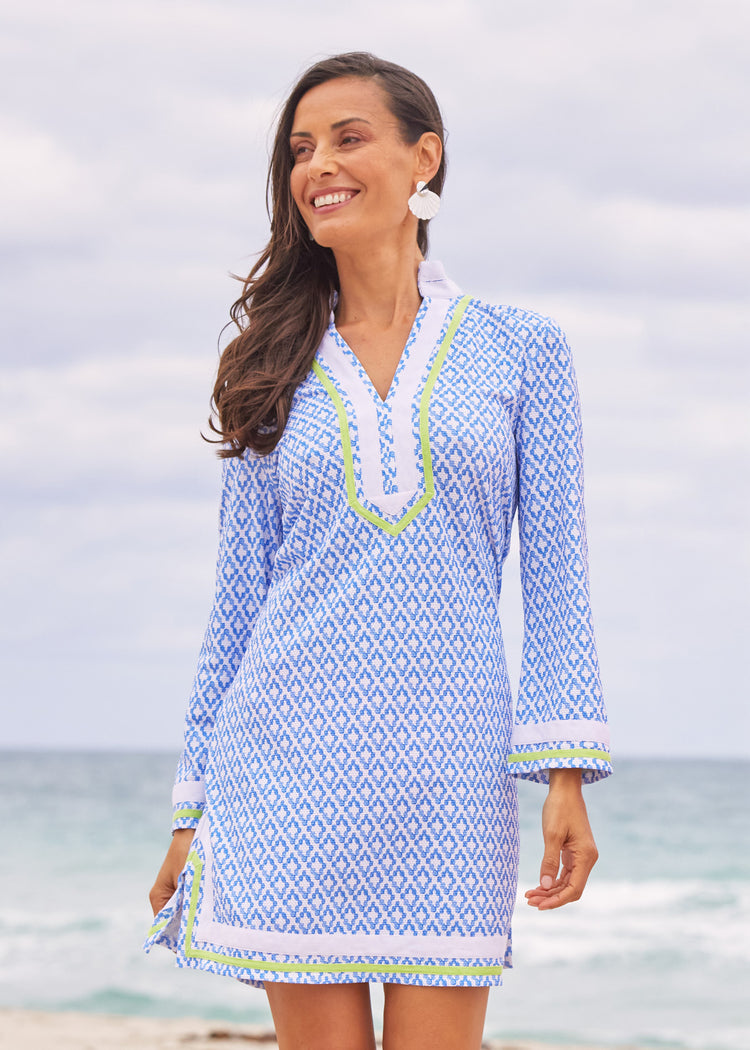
<point x="285" y="304"/>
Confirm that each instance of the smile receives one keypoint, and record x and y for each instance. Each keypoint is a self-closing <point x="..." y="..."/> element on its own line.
<point x="332" y="198"/>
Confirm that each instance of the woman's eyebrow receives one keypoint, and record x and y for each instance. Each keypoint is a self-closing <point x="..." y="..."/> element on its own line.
<point x="349" y="120"/>
<point x="334" y="127"/>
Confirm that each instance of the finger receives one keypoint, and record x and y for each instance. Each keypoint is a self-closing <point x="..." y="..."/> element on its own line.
<point x="543" y="893"/>
<point x="570" y="889"/>
<point x="567" y="895"/>
<point x="550" y="866"/>
<point x="551" y="875"/>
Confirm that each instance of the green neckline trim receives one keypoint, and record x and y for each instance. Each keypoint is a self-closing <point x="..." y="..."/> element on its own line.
<point x="570" y="752"/>
<point x="394" y="528"/>
<point x="263" y="964"/>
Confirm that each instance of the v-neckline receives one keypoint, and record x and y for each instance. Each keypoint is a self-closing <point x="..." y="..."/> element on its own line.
<point x="365" y="375"/>
<point x="385" y="444"/>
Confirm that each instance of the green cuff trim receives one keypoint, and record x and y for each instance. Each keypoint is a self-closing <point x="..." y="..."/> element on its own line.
<point x="570" y="752"/>
<point x="265" y="964"/>
<point x="156" y="927"/>
<point x="181" y="813"/>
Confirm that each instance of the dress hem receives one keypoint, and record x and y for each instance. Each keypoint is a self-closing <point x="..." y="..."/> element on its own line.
<point x="175" y="927"/>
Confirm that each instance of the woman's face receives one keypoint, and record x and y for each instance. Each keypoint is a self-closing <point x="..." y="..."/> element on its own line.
<point x="352" y="172"/>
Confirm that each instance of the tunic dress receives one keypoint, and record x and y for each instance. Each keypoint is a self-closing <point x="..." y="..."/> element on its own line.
<point x="351" y="746"/>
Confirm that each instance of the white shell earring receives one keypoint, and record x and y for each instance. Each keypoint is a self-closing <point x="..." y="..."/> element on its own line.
<point x="424" y="203"/>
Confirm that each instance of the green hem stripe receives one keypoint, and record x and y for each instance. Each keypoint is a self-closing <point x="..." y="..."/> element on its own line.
<point x="264" y="964"/>
<point x="156" y="927"/>
<point x="394" y="528"/>
<point x="570" y="752"/>
<point x="187" y="813"/>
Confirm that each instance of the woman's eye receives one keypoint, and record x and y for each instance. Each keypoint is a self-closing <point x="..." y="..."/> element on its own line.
<point x="300" y="152"/>
<point x="347" y="140"/>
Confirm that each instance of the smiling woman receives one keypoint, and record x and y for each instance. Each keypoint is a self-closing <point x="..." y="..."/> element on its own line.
<point x="352" y="175"/>
<point x="345" y="804"/>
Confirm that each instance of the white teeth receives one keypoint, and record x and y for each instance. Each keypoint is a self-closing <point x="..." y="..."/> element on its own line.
<point x="332" y="198"/>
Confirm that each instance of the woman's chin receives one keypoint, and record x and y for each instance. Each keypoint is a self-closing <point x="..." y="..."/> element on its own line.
<point x="360" y="239"/>
<point x="335" y="239"/>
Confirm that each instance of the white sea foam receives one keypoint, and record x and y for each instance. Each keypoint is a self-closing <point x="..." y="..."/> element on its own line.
<point x="683" y="919"/>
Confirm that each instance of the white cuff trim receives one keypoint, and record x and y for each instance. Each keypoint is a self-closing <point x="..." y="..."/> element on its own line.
<point x="188" y="791"/>
<point x="564" y="729"/>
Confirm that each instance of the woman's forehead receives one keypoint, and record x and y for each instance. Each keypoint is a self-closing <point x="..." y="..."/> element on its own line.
<point x="342" y="99"/>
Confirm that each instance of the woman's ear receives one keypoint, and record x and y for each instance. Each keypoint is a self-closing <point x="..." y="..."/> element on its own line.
<point x="429" y="153"/>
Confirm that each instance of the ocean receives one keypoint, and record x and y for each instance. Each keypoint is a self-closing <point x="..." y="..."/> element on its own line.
<point x="657" y="953"/>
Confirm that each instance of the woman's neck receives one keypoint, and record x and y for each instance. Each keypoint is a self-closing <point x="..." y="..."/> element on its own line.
<point x="377" y="289"/>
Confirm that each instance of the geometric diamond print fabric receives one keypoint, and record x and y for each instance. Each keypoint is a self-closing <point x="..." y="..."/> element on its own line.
<point x="351" y="746"/>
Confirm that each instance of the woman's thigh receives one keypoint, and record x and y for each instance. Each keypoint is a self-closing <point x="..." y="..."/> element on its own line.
<point x="419" y="1017"/>
<point x="321" y="1016"/>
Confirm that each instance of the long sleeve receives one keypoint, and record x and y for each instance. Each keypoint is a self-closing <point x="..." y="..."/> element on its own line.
<point x="560" y="720"/>
<point x="249" y="535"/>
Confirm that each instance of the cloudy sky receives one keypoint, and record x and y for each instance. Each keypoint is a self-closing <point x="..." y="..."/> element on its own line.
<point x="599" y="171"/>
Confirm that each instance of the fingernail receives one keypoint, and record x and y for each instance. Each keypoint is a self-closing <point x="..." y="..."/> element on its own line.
<point x="547" y="881"/>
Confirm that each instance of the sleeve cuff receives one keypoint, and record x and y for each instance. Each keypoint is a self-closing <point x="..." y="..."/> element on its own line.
<point x="537" y="747"/>
<point x="188" y="803"/>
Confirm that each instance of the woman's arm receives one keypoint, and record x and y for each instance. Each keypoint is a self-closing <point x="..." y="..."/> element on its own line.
<point x="569" y="848"/>
<point x="560" y="721"/>
<point x="249" y="536"/>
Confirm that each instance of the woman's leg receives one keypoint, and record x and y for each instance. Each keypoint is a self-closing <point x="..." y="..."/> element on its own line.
<point x="421" y="1017"/>
<point x="321" y="1016"/>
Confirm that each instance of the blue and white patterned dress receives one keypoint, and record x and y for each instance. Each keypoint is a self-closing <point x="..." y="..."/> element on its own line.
<point x="351" y="747"/>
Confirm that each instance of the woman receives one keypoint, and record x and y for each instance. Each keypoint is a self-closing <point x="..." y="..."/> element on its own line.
<point x="345" y="802"/>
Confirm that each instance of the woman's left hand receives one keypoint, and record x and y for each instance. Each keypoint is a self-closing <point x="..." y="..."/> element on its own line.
<point x="569" y="848"/>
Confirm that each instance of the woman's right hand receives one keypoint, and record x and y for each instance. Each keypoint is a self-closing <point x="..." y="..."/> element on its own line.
<point x="174" y="862"/>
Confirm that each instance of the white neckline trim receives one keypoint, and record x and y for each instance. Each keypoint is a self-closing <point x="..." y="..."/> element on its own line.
<point x="399" y="412"/>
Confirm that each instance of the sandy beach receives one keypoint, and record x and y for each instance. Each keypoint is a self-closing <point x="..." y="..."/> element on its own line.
<point x="37" y="1030"/>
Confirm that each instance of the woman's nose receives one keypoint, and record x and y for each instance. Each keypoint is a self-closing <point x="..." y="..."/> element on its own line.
<point x="322" y="162"/>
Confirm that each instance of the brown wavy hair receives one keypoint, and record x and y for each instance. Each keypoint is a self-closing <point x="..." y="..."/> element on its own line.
<point x="285" y="304"/>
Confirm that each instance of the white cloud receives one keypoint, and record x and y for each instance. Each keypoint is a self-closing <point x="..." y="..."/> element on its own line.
<point x="542" y="232"/>
<point x="107" y="425"/>
<point x="47" y="193"/>
<point x="130" y="576"/>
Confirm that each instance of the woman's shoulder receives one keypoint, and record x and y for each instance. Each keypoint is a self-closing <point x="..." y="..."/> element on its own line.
<point x="518" y="322"/>
<point x="495" y="318"/>
<point x="248" y="468"/>
<point x="520" y="337"/>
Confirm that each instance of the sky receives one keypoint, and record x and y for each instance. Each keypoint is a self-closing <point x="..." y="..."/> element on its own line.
<point x="598" y="171"/>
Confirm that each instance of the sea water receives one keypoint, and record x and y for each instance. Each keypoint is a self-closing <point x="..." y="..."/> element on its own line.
<point x="656" y="953"/>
